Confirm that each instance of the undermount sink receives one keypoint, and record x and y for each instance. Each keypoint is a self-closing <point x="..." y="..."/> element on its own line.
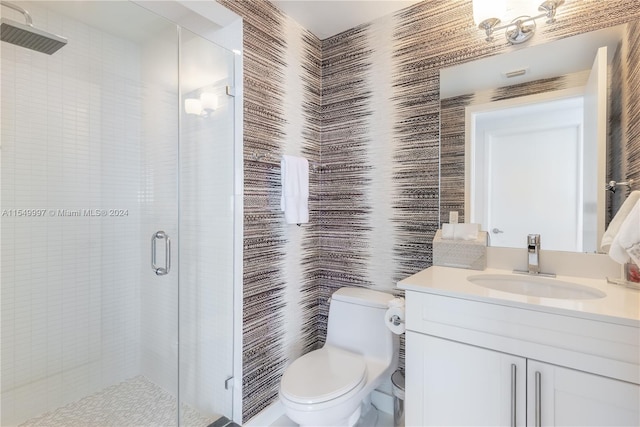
<point x="535" y="286"/>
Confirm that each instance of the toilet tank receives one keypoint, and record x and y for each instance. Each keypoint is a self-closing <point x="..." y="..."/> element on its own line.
<point x="357" y="323"/>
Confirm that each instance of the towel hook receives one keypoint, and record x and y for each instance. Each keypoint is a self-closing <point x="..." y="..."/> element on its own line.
<point x="611" y="185"/>
<point x="257" y="157"/>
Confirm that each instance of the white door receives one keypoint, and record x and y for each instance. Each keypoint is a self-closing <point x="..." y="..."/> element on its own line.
<point x="538" y="166"/>
<point x="527" y="171"/>
<point x="449" y="383"/>
<point x="530" y="170"/>
<point x="558" y="396"/>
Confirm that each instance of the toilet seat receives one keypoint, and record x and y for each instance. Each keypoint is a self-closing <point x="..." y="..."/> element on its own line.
<point x="323" y="375"/>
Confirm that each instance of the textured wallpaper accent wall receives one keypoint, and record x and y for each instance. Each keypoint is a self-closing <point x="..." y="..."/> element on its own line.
<point x="424" y="38"/>
<point x="281" y="116"/>
<point x="633" y="103"/>
<point x="346" y="228"/>
<point x="616" y="161"/>
<point x="364" y="107"/>
<point x="624" y="131"/>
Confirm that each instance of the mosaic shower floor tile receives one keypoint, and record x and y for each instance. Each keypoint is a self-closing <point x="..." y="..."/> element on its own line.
<point x="136" y="402"/>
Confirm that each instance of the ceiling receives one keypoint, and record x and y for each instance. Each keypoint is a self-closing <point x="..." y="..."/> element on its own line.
<point x="326" y="18"/>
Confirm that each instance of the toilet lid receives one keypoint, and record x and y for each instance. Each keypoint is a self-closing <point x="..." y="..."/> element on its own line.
<point x="322" y="375"/>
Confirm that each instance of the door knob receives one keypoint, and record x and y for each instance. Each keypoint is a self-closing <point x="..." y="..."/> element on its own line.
<point x="496" y="231"/>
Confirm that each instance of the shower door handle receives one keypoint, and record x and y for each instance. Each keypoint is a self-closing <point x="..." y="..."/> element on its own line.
<point x="161" y="235"/>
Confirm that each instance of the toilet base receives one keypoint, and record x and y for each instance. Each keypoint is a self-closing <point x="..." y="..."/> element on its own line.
<point x="369" y="416"/>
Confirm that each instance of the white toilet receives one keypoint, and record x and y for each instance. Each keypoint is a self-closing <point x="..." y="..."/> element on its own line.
<point x="332" y="386"/>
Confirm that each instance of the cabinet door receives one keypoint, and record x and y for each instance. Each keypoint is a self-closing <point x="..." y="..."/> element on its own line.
<point x="449" y="383"/>
<point x="558" y="396"/>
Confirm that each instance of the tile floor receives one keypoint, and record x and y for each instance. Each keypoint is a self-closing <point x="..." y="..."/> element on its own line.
<point x="384" y="420"/>
<point x="136" y="402"/>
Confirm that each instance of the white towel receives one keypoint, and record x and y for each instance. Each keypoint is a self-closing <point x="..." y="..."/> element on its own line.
<point x="463" y="231"/>
<point x="626" y="243"/>
<point x="466" y="231"/>
<point x="295" y="189"/>
<point x="448" y="231"/>
<point x="618" y="219"/>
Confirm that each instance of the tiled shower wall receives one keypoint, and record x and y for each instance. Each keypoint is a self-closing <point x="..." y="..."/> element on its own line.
<point x="70" y="300"/>
<point x="372" y="121"/>
<point x="95" y="126"/>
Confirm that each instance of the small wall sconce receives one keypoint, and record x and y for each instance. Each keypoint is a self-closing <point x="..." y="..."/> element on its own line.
<point x="486" y="15"/>
<point x="203" y="106"/>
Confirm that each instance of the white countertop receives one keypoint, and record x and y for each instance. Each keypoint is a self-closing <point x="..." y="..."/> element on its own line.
<point x="620" y="305"/>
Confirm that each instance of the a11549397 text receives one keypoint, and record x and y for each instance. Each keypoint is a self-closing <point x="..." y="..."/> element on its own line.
<point x="35" y="213"/>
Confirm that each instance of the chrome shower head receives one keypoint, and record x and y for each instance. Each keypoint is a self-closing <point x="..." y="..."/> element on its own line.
<point x="30" y="37"/>
<point x="26" y="35"/>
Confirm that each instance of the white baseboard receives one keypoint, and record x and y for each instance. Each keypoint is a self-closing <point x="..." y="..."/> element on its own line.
<point x="267" y="416"/>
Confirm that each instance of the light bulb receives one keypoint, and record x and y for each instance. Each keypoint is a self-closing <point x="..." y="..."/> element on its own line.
<point x="518" y="8"/>
<point x="485" y="9"/>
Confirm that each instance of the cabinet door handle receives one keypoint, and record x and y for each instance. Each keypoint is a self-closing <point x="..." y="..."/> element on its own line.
<point x="538" y="399"/>
<point x="513" y="395"/>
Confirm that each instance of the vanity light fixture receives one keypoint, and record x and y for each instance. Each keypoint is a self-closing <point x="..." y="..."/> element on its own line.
<point x="486" y="15"/>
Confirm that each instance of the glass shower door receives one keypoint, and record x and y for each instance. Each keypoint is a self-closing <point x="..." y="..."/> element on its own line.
<point x="116" y="246"/>
<point x="89" y="173"/>
<point x="159" y="201"/>
<point x="206" y="228"/>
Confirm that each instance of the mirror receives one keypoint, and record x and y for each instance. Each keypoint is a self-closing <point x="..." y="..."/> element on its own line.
<point x="534" y="128"/>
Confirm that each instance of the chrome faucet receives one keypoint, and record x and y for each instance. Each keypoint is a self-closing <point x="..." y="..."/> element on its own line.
<point x="533" y="253"/>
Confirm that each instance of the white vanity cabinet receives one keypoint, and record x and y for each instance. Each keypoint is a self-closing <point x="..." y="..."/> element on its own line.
<point x="567" y="397"/>
<point x="450" y="383"/>
<point x="477" y="362"/>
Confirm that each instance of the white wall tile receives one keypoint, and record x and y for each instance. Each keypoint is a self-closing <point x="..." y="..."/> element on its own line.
<point x="81" y="308"/>
<point x="71" y="140"/>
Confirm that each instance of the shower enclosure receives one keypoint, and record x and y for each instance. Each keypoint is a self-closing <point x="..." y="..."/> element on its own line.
<point x="117" y="221"/>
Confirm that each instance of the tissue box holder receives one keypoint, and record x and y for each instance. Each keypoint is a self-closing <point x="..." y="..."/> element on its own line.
<point x="470" y="254"/>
